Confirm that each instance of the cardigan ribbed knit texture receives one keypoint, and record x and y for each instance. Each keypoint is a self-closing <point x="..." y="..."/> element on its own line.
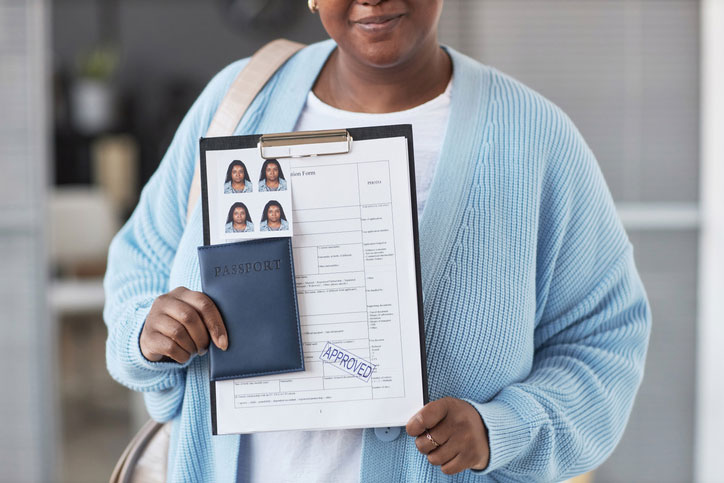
<point x="534" y="311"/>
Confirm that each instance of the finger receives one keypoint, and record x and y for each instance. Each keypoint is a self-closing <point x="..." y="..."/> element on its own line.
<point x="427" y="417"/>
<point x="210" y="316"/>
<point x="197" y="331"/>
<point x="160" y="344"/>
<point x="176" y="331"/>
<point x="443" y="431"/>
<point x="188" y="317"/>
<point x="456" y="465"/>
<point x="425" y="446"/>
<point x="443" y="454"/>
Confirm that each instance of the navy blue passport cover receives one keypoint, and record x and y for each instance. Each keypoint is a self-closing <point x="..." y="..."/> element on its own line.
<point x="252" y="284"/>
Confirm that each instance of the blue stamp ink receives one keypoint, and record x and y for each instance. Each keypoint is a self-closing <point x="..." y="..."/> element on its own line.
<point x="348" y="362"/>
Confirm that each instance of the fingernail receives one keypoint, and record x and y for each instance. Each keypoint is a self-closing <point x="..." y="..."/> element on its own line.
<point x="223" y="342"/>
<point x="203" y="351"/>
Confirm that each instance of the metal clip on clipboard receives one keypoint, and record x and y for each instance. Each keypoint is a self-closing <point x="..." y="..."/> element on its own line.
<point x="304" y="144"/>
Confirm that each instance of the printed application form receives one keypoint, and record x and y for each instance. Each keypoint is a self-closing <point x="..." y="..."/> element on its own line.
<point x="357" y="291"/>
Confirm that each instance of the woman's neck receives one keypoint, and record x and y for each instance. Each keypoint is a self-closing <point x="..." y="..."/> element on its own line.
<point x="274" y="224"/>
<point x="347" y="84"/>
<point x="274" y="184"/>
<point x="240" y="226"/>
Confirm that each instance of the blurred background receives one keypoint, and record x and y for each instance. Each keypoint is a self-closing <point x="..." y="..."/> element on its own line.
<point x="91" y="92"/>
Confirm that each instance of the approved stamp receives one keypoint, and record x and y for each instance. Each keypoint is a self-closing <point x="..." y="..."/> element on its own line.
<point x="348" y="362"/>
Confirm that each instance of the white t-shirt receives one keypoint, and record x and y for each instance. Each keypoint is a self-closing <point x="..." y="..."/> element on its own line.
<point x="335" y="456"/>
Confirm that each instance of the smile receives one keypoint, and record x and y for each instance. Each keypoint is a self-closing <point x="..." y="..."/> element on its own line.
<point x="378" y="24"/>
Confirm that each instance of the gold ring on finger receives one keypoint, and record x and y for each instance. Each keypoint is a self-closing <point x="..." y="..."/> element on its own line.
<point x="431" y="439"/>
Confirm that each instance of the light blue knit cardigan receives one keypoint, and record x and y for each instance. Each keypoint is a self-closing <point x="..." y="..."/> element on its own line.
<point x="534" y="311"/>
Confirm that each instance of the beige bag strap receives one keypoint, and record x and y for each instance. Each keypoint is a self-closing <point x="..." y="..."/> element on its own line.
<point x="250" y="81"/>
<point x="146" y="439"/>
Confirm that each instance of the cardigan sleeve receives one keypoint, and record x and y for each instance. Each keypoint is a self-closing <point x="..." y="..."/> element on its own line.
<point x="141" y="255"/>
<point x="591" y="334"/>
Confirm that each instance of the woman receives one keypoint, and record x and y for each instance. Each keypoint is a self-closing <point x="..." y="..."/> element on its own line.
<point x="536" y="322"/>
<point x="238" y="220"/>
<point x="237" y="178"/>
<point x="272" y="177"/>
<point x="273" y="218"/>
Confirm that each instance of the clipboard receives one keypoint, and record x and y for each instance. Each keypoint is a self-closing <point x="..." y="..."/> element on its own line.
<point x="384" y="232"/>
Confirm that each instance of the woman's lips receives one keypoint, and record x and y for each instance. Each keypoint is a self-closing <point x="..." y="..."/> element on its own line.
<point x="378" y="24"/>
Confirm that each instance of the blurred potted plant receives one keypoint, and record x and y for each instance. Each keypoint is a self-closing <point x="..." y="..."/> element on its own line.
<point x="93" y="94"/>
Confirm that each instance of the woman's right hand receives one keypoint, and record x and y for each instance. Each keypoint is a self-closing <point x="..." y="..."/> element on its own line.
<point x="179" y="325"/>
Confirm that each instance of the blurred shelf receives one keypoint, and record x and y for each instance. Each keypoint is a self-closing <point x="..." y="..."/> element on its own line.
<point x="18" y="219"/>
<point x="659" y="216"/>
<point x="72" y="296"/>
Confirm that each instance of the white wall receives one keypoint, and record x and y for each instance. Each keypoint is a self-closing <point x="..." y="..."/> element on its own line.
<point x="26" y="347"/>
<point x="710" y="361"/>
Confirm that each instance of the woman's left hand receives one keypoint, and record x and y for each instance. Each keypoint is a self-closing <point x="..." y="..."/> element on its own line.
<point x="457" y="440"/>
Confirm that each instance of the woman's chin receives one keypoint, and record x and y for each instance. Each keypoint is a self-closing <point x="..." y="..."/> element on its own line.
<point x="382" y="54"/>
